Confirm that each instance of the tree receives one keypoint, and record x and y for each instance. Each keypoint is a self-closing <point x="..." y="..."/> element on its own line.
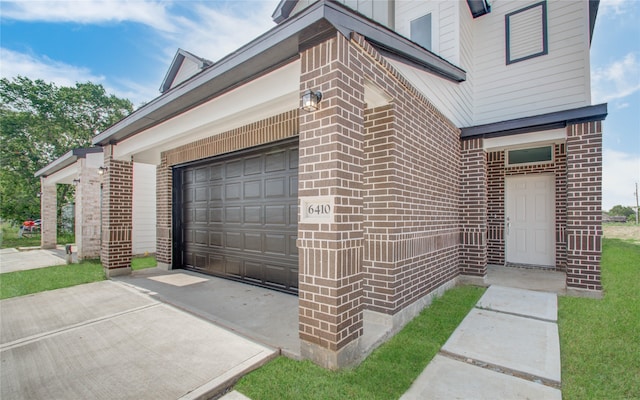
<point x="622" y="211"/>
<point x="40" y="122"/>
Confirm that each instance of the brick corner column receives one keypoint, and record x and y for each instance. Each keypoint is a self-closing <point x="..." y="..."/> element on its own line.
<point x="117" y="215"/>
<point x="331" y="154"/>
<point x="584" y="208"/>
<point x="164" y="214"/>
<point x="48" y="215"/>
<point x="88" y="212"/>
<point x="473" y="211"/>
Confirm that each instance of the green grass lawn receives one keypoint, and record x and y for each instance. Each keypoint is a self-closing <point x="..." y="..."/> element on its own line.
<point x="9" y="238"/>
<point x="20" y="283"/>
<point x="600" y="339"/>
<point x="386" y="374"/>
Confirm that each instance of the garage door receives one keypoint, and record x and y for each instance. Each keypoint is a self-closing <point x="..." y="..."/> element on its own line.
<point x="240" y="217"/>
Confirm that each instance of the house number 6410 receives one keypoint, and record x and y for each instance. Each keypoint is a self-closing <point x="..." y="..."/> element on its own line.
<point x="318" y="209"/>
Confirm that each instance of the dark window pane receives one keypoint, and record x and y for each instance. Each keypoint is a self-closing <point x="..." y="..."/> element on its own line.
<point x="523" y="156"/>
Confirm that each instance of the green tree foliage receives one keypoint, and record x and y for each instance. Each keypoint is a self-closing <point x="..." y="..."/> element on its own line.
<point x="40" y="122"/>
<point x="622" y="210"/>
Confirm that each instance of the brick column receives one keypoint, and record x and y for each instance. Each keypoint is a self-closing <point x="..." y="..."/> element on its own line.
<point x="87" y="212"/>
<point x="164" y="188"/>
<point x="48" y="215"/>
<point x="473" y="209"/>
<point x="331" y="153"/>
<point x="584" y="207"/>
<point x="117" y="207"/>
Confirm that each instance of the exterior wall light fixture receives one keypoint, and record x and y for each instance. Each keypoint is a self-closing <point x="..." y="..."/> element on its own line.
<point x="39" y="194"/>
<point x="102" y="170"/>
<point x="76" y="182"/>
<point x="310" y="100"/>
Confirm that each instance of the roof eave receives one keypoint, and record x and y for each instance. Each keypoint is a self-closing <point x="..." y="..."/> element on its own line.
<point x="270" y="50"/>
<point x="558" y="119"/>
<point x="65" y="160"/>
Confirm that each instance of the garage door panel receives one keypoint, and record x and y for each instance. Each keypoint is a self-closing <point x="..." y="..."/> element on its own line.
<point x="275" y="161"/>
<point x="232" y="191"/>
<point x="245" y="222"/>
<point x="253" y="165"/>
<point x="252" y="215"/>
<point x="275" y="187"/>
<point x="253" y="242"/>
<point x="234" y="169"/>
<point x="275" y="215"/>
<point x="252" y="189"/>
<point x="232" y="215"/>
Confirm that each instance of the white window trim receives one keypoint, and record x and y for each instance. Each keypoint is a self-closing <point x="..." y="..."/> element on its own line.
<point x="551" y="161"/>
<point x="435" y="28"/>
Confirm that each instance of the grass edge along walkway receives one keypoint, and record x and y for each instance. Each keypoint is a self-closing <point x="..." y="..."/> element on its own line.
<point x="600" y="339"/>
<point x="386" y="374"/>
<point x="21" y="283"/>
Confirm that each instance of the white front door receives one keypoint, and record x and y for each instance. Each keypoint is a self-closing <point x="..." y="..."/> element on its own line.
<point x="530" y="219"/>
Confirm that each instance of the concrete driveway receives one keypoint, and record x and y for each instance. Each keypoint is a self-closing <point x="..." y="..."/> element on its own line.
<point x="105" y="340"/>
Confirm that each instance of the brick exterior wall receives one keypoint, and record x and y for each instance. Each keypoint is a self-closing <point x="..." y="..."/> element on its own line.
<point x="331" y="154"/>
<point x="584" y="205"/>
<point x="473" y="208"/>
<point x="497" y="171"/>
<point x="411" y="199"/>
<point x="117" y="208"/>
<point x="272" y="129"/>
<point x="48" y="215"/>
<point x="87" y="212"/>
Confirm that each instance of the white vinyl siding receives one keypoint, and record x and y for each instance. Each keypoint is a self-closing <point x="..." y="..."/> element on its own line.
<point x="555" y="82"/>
<point x="379" y="10"/>
<point x="526" y="33"/>
<point x="144" y="208"/>
<point x="449" y="97"/>
<point x="188" y="69"/>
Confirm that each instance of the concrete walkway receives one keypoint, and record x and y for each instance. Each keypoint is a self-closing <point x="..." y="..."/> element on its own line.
<point x="32" y="258"/>
<point x="105" y="340"/>
<point x="507" y="347"/>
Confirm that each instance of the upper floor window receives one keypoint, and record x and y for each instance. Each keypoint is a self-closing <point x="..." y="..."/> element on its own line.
<point x="421" y="31"/>
<point x="526" y="33"/>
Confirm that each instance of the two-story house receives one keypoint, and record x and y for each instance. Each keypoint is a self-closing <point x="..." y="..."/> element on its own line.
<point x="367" y="155"/>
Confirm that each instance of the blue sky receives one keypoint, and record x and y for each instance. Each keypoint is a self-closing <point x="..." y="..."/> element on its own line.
<point x="127" y="46"/>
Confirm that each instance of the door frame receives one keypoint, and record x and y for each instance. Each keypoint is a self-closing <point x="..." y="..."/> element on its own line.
<point x="552" y="201"/>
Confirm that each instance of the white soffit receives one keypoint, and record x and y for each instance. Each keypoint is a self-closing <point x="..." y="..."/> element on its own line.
<point x="271" y="94"/>
<point x="65" y="175"/>
<point x="543" y="137"/>
<point x="375" y="96"/>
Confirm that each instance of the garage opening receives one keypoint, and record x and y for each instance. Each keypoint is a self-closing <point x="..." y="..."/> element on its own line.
<point x="236" y="216"/>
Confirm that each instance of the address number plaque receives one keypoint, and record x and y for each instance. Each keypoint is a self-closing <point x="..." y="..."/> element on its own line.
<point x="316" y="209"/>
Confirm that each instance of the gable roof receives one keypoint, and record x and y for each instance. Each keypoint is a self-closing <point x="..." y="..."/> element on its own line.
<point x="177" y="63"/>
<point x="269" y="51"/>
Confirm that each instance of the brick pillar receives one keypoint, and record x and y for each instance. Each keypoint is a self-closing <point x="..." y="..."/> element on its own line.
<point x="87" y="211"/>
<point x="48" y="215"/>
<point x="117" y="207"/>
<point x="584" y="206"/>
<point x="331" y="153"/>
<point x="164" y="187"/>
<point x="473" y="209"/>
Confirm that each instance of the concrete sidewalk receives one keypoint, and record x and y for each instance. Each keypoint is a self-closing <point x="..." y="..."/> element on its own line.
<point x="507" y="347"/>
<point x="105" y="340"/>
<point x="32" y="258"/>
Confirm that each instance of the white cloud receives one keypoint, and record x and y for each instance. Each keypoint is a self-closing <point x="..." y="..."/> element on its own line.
<point x="62" y="74"/>
<point x="614" y="7"/>
<point x="42" y="67"/>
<point x="217" y="31"/>
<point x="620" y="172"/>
<point x="617" y="80"/>
<point x="151" y="13"/>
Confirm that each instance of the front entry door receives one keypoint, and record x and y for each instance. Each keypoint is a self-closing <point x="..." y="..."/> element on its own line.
<point x="530" y="220"/>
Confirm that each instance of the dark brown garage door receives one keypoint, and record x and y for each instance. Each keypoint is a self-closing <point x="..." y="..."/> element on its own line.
<point x="240" y="216"/>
